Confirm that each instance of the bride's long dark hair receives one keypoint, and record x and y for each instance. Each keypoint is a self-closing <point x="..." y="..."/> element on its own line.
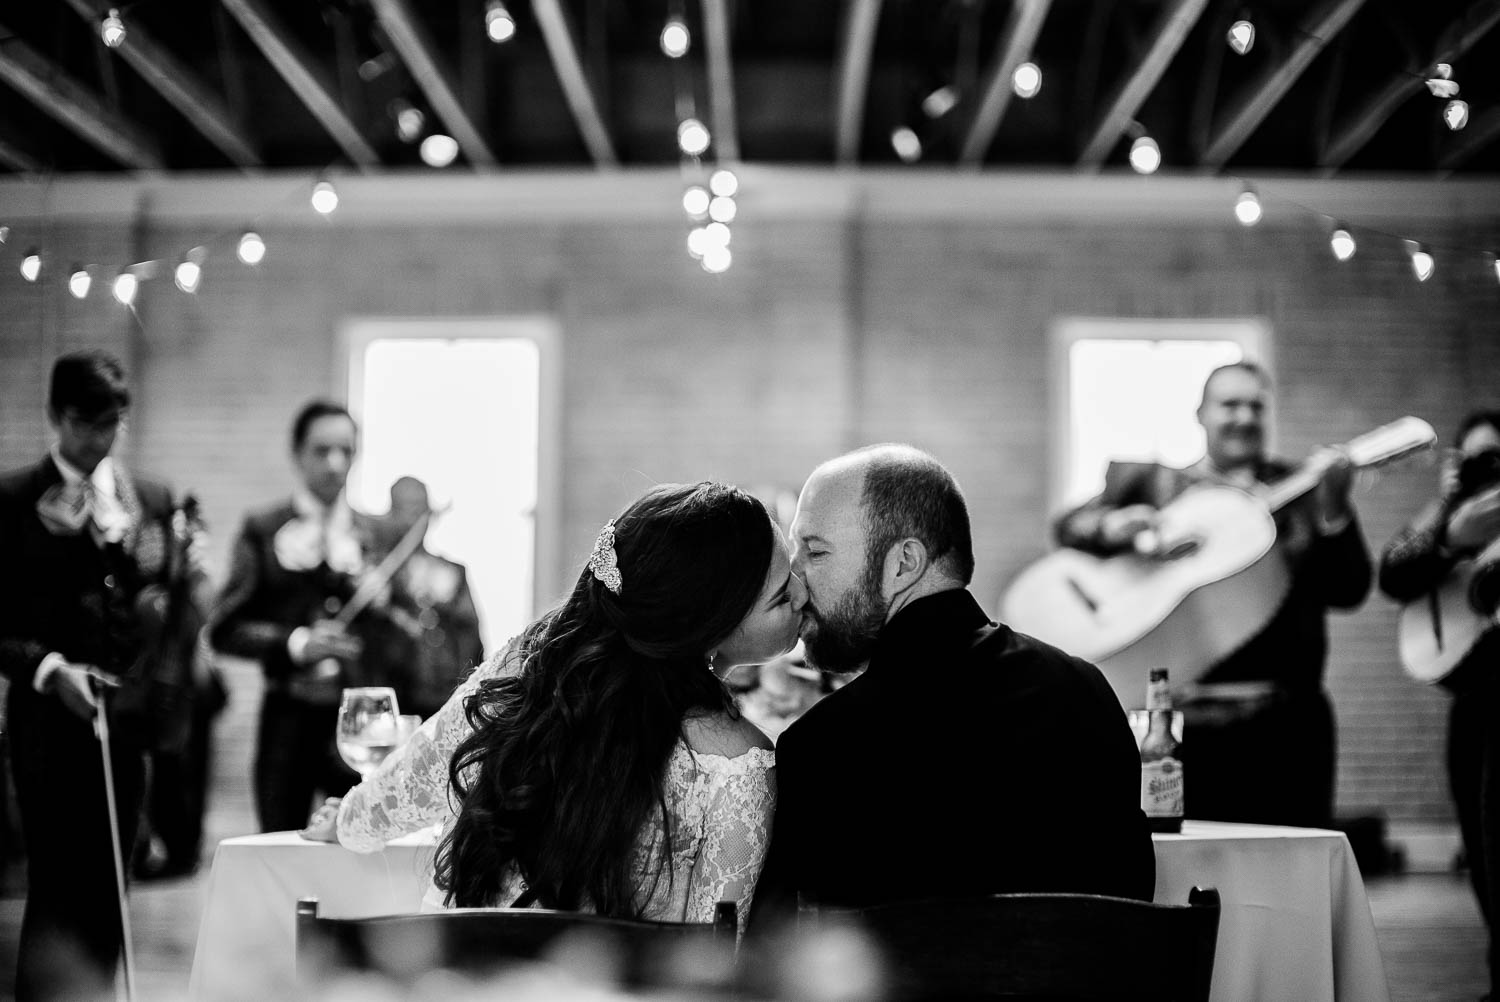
<point x="565" y="763"/>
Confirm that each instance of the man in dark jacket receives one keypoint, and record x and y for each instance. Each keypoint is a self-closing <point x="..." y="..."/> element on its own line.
<point x="84" y="550"/>
<point x="966" y="758"/>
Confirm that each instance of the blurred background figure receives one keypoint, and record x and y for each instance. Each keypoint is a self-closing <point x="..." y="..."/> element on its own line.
<point x="431" y="603"/>
<point x="294" y="565"/>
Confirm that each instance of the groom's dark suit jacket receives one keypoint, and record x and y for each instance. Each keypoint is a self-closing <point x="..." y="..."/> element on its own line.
<point x="74" y="596"/>
<point x="966" y="759"/>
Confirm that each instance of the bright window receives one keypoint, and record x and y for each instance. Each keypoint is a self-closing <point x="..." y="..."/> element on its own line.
<point x="459" y="409"/>
<point x="1130" y="390"/>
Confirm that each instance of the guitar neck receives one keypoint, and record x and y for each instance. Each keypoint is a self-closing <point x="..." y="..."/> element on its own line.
<point x="1385" y="444"/>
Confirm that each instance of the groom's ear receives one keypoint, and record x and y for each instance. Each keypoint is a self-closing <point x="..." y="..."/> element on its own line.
<point x="905" y="564"/>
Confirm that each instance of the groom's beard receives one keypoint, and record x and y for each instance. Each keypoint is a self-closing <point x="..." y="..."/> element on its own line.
<point x="842" y="639"/>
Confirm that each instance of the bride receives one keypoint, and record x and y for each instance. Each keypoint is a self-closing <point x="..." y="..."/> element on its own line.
<point x="598" y="762"/>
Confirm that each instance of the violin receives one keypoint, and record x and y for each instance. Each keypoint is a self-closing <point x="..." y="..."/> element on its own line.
<point x="172" y="615"/>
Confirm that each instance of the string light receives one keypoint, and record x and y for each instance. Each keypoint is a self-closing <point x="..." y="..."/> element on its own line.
<point x="1247" y="208"/>
<point x="1342" y="243"/>
<point x="716" y="259"/>
<point x="409" y="120"/>
<point x="716" y="234"/>
<point x="187" y="275"/>
<point x="439" y="150"/>
<point x="692" y="137"/>
<point x="1422" y="264"/>
<point x="79" y="281"/>
<point x="1441" y="83"/>
<point x="1241" y="36"/>
<point x="1456" y="114"/>
<point x="251" y="249"/>
<point x="499" y="25"/>
<point x="675" y="38"/>
<point x="722" y="209"/>
<point x="324" y="198"/>
<point x="906" y="144"/>
<point x="31" y="265"/>
<point x="1495" y="261"/>
<point x="4" y="234"/>
<point x="1026" y="81"/>
<point x="723" y="182"/>
<point x="112" y="29"/>
<point x="1145" y="155"/>
<point x="125" y="287"/>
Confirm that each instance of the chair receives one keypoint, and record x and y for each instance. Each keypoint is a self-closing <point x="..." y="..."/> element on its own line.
<point x="1041" y="946"/>
<point x="476" y="941"/>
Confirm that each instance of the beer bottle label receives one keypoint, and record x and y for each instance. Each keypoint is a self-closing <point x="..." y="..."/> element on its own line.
<point x="1161" y="788"/>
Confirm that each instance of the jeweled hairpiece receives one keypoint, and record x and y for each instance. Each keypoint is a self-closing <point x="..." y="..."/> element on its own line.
<point x="602" y="562"/>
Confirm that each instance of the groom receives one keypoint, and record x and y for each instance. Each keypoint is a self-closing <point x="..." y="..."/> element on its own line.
<point x="966" y="759"/>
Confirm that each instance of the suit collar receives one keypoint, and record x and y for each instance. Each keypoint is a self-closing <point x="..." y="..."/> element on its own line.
<point x="934" y="625"/>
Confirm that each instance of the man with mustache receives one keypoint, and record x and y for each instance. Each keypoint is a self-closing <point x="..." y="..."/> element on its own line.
<point x="1258" y="745"/>
<point x="966" y="758"/>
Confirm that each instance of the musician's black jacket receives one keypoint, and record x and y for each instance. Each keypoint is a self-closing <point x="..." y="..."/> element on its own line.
<point x="1327" y="572"/>
<point x="966" y="759"/>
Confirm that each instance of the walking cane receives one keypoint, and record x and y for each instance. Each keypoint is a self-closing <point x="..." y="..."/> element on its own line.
<point x="101" y="730"/>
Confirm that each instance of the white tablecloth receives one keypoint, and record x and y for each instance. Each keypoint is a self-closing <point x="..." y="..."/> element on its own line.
<point x="1295" y="927"/>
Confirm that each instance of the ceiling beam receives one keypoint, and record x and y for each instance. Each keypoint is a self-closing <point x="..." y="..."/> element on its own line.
<point x="14" y="157"/>
<point x="558" y="34"/>
<point x="1315" y="31"/>
<point x="724" y="129"/>
<point x="1171" y="31"/>
<point x="51" y="89"/>
<point x="179" y="85"/>
<point x="289" y="59"/>
<point x="856" y="48"/>
<point x="415" y="49"/>
<point x="1479" y="133"/>
<point x="1021" y="30"/>
<point x="1360" y="127"/>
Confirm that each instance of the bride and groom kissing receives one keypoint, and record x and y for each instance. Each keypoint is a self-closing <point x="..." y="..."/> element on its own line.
<point x="598" y="762"/>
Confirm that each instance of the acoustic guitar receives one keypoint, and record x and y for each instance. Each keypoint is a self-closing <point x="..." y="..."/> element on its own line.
<point x="1208" y="584"/>
<point x="1438" y="630"/>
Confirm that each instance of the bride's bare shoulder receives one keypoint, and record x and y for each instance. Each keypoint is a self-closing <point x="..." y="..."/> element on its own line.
<point x="721" y="734"/>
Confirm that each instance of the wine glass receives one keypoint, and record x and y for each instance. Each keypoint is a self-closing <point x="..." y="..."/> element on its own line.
<point x="368" y="727"/>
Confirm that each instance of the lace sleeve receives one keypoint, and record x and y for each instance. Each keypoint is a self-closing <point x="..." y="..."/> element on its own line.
<point x="410" y="789"/>
<point x="740" y="801"/>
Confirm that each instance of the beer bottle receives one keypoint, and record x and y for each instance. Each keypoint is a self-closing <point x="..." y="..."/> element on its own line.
<point x="1161" y="772"/>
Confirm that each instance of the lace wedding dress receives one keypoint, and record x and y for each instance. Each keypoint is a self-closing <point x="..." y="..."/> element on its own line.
<point x="719" y="809"/>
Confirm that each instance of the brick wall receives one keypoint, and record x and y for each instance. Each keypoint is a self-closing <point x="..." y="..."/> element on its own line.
<point x="919" y="313"/>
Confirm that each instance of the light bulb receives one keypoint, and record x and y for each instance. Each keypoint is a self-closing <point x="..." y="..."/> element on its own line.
<point x="722" y="209"/>
<point x="409" y="120"/>
<point x="498" y="23"/>
<point x="697" y="241"/>
<point x="716" y="235"/>
<point x="1026" y="80"/>
<point x="695" y="201"/>
<point x="1495" y="260"/>
<point x="31" y="265"/>
<point x="692" y="137"/>
<point x="1145" y="155"/>
<point x="112" y="29"/>
<point x="1456" y="114"/>
<point x="125" y="287"/>
<point x="1241" y="36"/>
<point x="1422" y="264"/>
<point x="675" y="38"/>
<point x="716" y="260"/>
<point x="1247" y="208"/>
<point x="1342" y="242"/>
<point x="438" y="150"/>
<point x="252" y="249"/>
<point x="79" y="282"/>
<point x="187" y="275"/>
<point x="723" y="182"/>
<point x="940" y="102"/>
<point x="906" y="144"/>
<point x="4" y="234"/>
<point x="324" y="198"/>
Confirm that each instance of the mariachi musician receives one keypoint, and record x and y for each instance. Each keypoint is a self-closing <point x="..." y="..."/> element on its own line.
<point x="1259" y="742"/>
<point x="85" y="549"/>
<point x="294" y="565"/>
<point x="1456" y="531"/>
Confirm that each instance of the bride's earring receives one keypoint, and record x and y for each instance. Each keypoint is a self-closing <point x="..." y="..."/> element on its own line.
<point x="711" y="656"/>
